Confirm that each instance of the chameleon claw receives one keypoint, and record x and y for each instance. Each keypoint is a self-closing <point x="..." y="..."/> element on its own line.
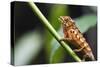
<point x="84" y="57"/>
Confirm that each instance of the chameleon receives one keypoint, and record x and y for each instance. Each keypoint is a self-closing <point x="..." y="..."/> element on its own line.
<point x="73" y="35"/>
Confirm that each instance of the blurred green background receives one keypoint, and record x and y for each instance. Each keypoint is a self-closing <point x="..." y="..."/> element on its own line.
<point x="31" y="42"/>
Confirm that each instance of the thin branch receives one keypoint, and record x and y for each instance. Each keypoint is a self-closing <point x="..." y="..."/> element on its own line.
<point x="52" y="31"/>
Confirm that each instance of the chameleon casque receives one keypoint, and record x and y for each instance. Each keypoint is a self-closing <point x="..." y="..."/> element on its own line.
<point x="73" y="35"/>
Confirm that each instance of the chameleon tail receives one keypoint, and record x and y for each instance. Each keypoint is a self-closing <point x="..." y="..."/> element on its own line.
<point x="91" y="56"/>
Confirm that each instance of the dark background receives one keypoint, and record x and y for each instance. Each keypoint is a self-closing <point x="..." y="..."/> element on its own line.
<point x="22" y="19"/>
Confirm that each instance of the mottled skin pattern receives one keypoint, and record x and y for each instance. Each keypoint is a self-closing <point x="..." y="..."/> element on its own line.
<point x="74" y="36"/>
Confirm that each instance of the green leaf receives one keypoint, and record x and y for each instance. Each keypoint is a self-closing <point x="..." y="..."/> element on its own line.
<point x="57" y="54"/>
<point x="55" y="12"/>
<point x="85" y="22"/>
<point x="27" y="48"/>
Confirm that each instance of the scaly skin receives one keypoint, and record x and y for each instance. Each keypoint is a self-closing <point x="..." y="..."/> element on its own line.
<point x="74" y="36"/>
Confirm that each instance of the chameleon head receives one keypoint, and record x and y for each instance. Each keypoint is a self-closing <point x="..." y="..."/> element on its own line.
<point x="66" y="20"/>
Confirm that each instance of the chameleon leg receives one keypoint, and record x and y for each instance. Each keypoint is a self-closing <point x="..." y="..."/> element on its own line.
<point x="80" y="49"/>
<point x="65" y="39"/>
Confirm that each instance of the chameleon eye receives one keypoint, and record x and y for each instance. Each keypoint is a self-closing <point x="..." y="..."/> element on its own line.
<point x="72" y="31"/>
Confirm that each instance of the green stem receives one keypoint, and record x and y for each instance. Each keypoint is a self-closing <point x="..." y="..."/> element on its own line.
<point x="52" y="31"/>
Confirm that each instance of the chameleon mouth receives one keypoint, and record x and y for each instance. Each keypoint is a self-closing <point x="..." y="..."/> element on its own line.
<point x="64" y="18"/>
<point x="61" y="19"/>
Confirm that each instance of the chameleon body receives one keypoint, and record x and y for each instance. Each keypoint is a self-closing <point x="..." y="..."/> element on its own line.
<point x="74" y="36"/>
